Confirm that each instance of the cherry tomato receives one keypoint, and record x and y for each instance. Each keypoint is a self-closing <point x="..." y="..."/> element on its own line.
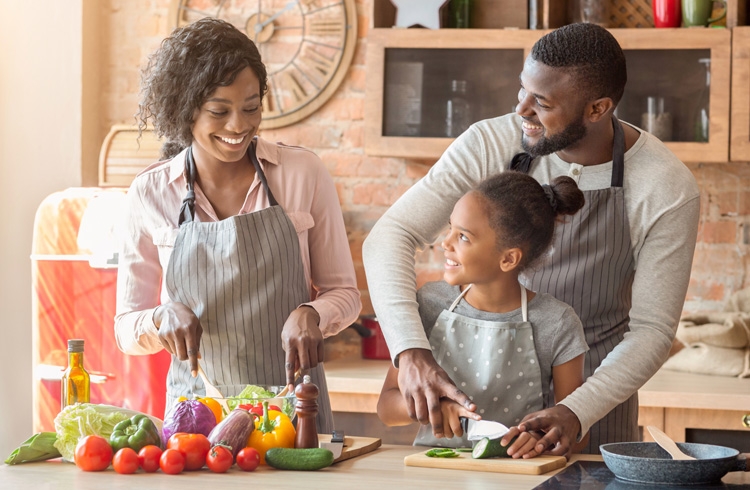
<point x="257" y="409"/>
<point x="125" y="461"/>
<point x="219" y="459"/>
<point x="148" y="458"/>
<point x="248" y="458"/>
<point x="93" y="453"/>
<point x="172" y="461"/>
<point x="193" y="446"/>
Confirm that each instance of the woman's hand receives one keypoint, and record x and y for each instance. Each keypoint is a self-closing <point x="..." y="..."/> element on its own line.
<point x="523" y="447"/>
<point x="451" y="412"/>
<point x="179" y="332"/>
<point x="302" y="341"/>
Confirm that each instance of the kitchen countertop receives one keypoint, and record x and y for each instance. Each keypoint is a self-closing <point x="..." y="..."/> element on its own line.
<point x="364" y="378"/>
<point x="383" y="468"/>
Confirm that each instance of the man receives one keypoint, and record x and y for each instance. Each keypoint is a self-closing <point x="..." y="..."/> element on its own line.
<point x="623" y="262"/>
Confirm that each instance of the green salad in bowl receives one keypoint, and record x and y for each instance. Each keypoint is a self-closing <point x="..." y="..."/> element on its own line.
<point x="252" y="397"/>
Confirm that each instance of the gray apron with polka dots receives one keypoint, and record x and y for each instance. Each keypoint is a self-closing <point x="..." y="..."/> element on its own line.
<point x="495" y="363"/>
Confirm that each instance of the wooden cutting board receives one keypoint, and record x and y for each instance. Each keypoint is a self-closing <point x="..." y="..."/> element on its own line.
<point x="353" y="445"/>
<point x="533" y="466"/>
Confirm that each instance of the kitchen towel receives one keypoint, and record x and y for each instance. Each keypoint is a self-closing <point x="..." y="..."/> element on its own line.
<point x="719" y="329"/>
<point x="701" y="358"/>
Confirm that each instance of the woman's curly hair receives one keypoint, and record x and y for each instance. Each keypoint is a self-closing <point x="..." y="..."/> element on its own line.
<point x="185" y="70"/>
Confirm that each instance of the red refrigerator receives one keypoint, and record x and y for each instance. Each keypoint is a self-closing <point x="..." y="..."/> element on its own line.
<point x="74" y="280"/>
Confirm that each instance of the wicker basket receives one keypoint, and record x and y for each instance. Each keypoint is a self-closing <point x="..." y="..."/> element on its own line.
<point x="631" y="13"/>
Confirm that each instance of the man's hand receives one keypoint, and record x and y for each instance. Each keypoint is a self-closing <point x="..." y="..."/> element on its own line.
<point x="560" y="426"/>
<point x="302" y="341"/>
<point x="179" y="332"/>
<point x="423" y="383"/>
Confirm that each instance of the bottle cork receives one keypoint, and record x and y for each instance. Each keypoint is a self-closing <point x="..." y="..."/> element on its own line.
<point x="306" y="409"/>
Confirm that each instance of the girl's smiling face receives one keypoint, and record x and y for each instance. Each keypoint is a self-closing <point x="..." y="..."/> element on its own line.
<point x="225" y="124"/>
<point x="471" y="253"/>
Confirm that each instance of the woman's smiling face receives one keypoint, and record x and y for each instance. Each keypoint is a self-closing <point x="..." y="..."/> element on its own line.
<point x="224" y="126"/>
<point x="471" y="254"/>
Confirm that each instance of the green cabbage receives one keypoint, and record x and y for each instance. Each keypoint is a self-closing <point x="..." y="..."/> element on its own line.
<point x="85" y="419"/>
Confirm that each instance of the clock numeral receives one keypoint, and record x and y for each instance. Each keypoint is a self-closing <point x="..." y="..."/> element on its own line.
<point x="319" y="62"/>
<point x="270" y="100"/>
<point x="327" y="27"/>
<point x="295" y="87"/>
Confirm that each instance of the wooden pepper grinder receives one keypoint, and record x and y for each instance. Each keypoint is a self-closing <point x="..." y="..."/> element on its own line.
<point x="307" y="414"/>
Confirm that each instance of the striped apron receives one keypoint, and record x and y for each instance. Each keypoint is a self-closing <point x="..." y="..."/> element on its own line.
<point x="242" y="277"/>
<point x="592" y="268"/>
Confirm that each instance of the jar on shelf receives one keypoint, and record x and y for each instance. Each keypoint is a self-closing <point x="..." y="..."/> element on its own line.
<point x="592" y="11"/>
<point x="458" y="116"/>
<point x="656" y="120"/>
<point x="700" y="120"/>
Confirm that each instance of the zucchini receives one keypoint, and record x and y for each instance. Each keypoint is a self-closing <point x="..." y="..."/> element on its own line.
<point x="491" y="448"/>
<point x="299" y="459"/>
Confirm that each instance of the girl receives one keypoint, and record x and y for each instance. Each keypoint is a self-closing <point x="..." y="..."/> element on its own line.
<point x="504" y="346"/>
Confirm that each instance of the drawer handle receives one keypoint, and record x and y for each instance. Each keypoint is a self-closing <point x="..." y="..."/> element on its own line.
<point x="746" y="420"/>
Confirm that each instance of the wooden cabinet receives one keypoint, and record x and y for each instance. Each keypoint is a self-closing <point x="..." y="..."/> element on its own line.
<point x="740" y="146"/>
<point x="410" y="73"/>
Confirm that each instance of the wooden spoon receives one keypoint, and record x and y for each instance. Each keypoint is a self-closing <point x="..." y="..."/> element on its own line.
<point x="283" y="392"/>
<point x="212" y="391"/>
<point x="667" y="443"/>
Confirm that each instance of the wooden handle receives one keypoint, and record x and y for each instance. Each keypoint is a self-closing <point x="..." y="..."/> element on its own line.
<point x="667" y="444"/>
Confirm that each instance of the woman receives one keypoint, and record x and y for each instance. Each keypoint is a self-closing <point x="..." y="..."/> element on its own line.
<point x="234" y="248"/>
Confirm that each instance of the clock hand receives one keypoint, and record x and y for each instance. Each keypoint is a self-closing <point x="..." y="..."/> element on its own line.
<point x="259" y="27"/>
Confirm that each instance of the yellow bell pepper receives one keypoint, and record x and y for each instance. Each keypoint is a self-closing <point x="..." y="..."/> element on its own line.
<point x="212" y="404"/>
<point x="273" y="429"/>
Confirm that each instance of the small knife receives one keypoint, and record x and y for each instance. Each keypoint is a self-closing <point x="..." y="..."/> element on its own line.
<point x="336" y="445"/>
<point x="476" y="430"/>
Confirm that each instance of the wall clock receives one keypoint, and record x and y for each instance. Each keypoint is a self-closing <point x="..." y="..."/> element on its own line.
<point x="306" y="45"/>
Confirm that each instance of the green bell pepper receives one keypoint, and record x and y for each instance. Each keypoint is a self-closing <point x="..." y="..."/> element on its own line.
<point x="136" y="432"/>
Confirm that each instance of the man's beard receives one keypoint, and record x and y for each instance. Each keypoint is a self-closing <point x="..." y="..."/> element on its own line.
<point x="572" y="133"/>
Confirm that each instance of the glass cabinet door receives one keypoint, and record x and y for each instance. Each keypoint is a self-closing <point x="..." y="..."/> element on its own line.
<point x="678" y="88"/>
<point x="424" y="87"/>
<point x="740" y="145"/>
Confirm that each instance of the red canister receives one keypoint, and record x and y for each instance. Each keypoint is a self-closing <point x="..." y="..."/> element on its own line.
<point x="374" y="346"/>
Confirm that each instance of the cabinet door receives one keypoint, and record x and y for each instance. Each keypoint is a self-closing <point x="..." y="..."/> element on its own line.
<point x="683" y="73"/>
<point x="678" y="88"/>
<point x="740" y="148"/>
<point x="424" y="87"/>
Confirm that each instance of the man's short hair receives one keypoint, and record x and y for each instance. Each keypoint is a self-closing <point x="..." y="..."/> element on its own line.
<point x="591" y="52"/>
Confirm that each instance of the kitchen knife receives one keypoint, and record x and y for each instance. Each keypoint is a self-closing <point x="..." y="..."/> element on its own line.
<point x="476" y="430"/>
<point x="336" y="445"/>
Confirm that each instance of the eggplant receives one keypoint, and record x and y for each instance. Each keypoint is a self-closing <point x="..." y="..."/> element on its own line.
<point x="234" y="430"/>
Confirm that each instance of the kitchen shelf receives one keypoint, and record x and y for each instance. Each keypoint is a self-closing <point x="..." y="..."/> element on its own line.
<point x="661" y="62"/>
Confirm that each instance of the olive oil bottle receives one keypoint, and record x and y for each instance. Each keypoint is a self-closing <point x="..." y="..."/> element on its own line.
<point x="75" y="380"/>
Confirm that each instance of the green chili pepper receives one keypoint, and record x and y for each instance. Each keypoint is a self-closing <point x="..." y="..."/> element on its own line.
<point x="135" y="432"/>
<point x="442" y="453"/>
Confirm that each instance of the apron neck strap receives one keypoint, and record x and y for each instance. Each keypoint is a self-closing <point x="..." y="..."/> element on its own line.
<point x="187" y="210"/>
<point x="524" y="302"/>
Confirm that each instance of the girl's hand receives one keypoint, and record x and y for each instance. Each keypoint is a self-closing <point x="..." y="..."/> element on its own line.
<point x="302" y="341"/>
<point x="180" y="332"/>
<point x="451" y="412"/>
<point x="523" y="447"/>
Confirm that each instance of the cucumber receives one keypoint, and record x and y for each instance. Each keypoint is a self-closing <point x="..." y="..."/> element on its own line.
<point x="491" y="448"/>
<point x="299" y="459"/>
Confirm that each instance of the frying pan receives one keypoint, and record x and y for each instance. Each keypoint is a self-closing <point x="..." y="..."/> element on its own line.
<point x="646" y="462"/>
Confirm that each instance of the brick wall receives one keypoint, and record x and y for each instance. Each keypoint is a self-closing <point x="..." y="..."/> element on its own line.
<point x="368" y="185"/>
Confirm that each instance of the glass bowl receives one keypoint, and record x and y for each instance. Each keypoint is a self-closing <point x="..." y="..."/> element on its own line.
<point x="286" y="403"/>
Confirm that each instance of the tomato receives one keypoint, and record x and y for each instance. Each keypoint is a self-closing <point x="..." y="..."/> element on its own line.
<point x="248" y="458"/>
<point x="148" y="458"/>
<point x="219" y="459"/>
<point x="172" y="461"/>
<point x="193" y="446"/>
<point x="93" y="453"/>
<point x="125" y="461"/>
